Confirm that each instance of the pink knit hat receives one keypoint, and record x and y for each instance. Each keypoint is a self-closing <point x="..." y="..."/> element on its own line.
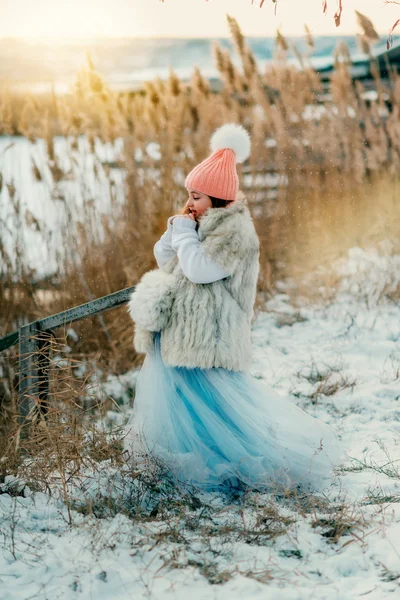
<point x="217" y="176"/>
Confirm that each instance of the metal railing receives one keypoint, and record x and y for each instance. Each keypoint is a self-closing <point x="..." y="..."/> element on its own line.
<point x="33" y="340"/>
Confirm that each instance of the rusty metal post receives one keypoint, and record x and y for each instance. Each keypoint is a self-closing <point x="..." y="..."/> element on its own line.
<point x="34" y="367"/>
<point x="44" y="372"/>
<point x="34" y="353"/>
<point x="29" y="349"/>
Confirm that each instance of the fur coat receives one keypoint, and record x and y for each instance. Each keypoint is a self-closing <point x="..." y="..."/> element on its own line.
<point x="204" y="325"/>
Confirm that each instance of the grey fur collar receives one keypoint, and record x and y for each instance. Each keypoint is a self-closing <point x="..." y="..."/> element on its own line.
<point x="214" y="216"/>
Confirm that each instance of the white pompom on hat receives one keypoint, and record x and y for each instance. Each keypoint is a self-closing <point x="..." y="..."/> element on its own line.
<point x="232" y="136"/>
<point x="216" y="175"/>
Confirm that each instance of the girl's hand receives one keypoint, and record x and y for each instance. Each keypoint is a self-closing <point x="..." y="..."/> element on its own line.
<point x="188" y="216"/>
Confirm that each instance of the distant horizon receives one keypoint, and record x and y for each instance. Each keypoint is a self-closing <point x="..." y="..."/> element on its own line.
<point x="126" y="61"/>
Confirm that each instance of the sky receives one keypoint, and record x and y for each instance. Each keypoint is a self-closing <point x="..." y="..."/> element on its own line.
<point x="182" y="18"/>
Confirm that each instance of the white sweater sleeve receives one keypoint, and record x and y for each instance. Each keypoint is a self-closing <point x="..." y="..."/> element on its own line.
<point x="163" y="250"/>
<point x="197" y="267"/>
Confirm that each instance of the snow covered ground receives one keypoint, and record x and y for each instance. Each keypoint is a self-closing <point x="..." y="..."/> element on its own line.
<point x="340" y="361"/>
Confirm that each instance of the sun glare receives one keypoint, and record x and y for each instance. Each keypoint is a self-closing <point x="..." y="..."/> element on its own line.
<point x="72" y="19"/>
<point x="61" y="19"/>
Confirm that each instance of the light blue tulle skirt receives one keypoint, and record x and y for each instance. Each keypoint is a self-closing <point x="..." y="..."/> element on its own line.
<point x="218" y="429"/>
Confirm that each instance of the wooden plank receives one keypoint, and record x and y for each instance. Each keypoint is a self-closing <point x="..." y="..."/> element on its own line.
<point x="86" y="310"/>
<point x="9" y="340"/>
<point x="73" y="314"/>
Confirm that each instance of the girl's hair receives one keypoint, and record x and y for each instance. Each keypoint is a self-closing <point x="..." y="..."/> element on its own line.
<point x="216" y="203"/>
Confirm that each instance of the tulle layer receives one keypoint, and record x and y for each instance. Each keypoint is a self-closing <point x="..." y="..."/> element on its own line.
<point x="218" y="429"/>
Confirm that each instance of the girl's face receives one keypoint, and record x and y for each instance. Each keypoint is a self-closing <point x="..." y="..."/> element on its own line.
<point x="198" y="203"/>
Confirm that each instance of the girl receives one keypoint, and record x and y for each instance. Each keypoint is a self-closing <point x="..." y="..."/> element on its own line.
<point x="196" y="406"/>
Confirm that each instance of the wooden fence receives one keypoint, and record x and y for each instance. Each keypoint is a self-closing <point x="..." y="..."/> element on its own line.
<point x="34" y="349"/>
